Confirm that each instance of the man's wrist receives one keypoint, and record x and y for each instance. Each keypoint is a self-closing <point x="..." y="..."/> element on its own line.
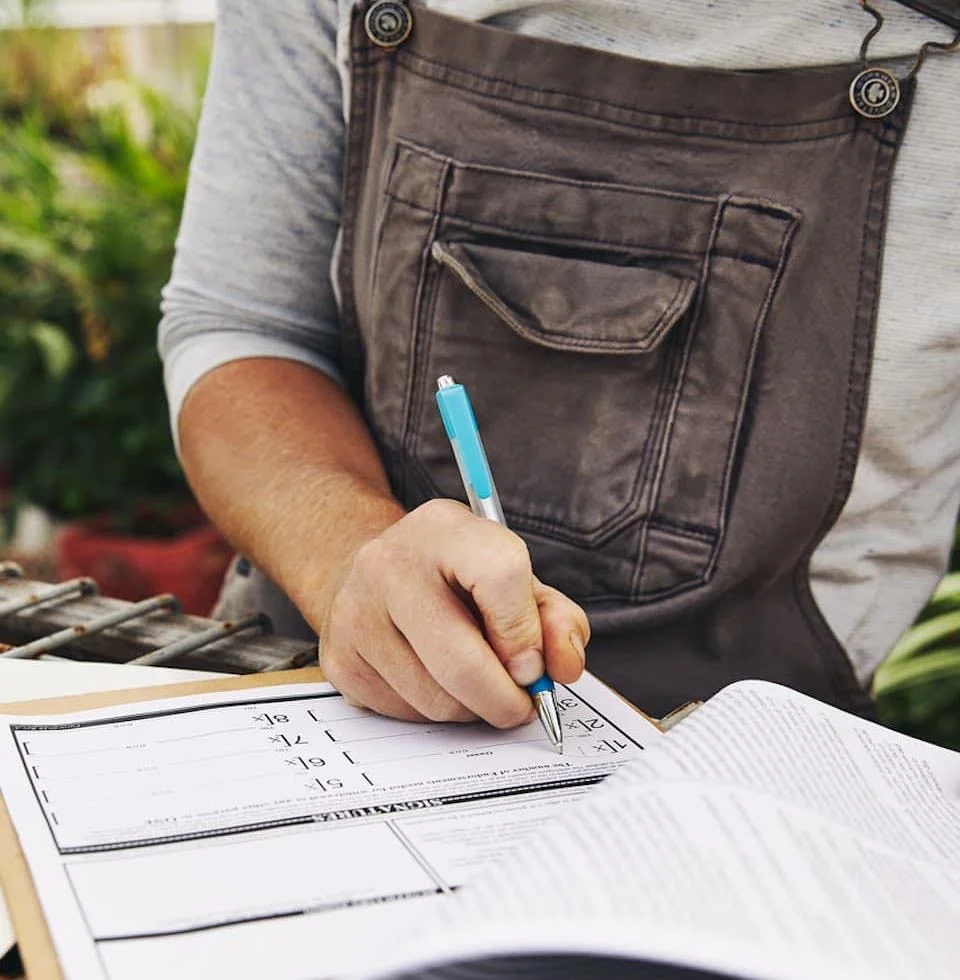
<point x="321" y="558"/>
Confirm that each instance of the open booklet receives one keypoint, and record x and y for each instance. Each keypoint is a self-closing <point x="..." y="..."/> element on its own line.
<point x="766" y="836"/>
<point x="291" y="836"/>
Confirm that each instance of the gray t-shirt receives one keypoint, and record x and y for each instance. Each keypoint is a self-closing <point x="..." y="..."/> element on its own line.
<point x="252" y="273"/>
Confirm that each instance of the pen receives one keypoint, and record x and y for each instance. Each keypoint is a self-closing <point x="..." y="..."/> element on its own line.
<point x="461" y="428"/>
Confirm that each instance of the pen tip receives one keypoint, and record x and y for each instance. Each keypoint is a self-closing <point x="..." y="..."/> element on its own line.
<point x="549" y="714"/>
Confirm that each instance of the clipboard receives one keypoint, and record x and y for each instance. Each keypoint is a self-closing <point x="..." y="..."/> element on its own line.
<point x="29" y="924"/>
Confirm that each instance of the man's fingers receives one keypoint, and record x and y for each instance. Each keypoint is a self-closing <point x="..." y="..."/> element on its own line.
<point x="492" y="564"/>
<point x="363" y="687"/>
<point x="452" y="648"/>
<point x="566" y="632"/>
<point x="400" y="667"/>
<point x="366" y="658"/>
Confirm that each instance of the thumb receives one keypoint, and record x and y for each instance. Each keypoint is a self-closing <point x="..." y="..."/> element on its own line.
<point x="499" y="579"/>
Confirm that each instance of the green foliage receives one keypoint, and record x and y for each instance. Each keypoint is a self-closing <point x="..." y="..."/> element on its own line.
<point x="92" y="178"/>
<point x="917" y="688"/>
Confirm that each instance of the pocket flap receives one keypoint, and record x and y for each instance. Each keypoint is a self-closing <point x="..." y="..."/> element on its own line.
<point x="568" y="303"/>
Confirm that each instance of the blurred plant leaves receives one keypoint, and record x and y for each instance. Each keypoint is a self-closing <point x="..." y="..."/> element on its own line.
<point x="93" y="171"/>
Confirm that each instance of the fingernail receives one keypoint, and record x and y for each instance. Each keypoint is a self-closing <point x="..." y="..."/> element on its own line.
<point x="526" y="667"/>
<point x="577" y="643"/>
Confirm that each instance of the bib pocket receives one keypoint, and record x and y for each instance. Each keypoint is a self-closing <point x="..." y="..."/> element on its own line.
<point x="607" y="335"/>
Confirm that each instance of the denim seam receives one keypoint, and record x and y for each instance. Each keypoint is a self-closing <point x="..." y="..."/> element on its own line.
<point x="759" y="323"/>
<point x="547" y="238"/>
<point x="833" y="655"/>
<point x="418" y="149"/>
<point x="561" y="342"/>
<point x="636" y="585"/>
<point x="409" y="61"/>
<point x="422" y="328"/>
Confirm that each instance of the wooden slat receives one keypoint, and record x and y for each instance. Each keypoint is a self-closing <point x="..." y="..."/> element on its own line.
<point x="246" y="653"/>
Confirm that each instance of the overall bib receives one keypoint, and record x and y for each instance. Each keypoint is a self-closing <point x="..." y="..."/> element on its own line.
<point x="659" y="286"/>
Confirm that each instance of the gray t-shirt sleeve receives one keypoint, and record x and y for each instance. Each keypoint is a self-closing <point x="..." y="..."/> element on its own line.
<point x="251" y="277"/>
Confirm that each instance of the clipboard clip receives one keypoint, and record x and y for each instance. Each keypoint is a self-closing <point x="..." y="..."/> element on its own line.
<point x="674" y="718"/>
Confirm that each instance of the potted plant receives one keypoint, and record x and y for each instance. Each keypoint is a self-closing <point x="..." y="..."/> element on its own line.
<point x="91" y="190"/>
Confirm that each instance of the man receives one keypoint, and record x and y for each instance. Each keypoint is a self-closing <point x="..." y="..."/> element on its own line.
<point x="660" y="280"/>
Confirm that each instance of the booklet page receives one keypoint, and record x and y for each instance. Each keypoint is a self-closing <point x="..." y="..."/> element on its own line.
<point x="766" y="836"/>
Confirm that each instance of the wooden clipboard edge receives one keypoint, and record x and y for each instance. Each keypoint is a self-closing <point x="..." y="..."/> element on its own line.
<point x="23" y="906"/>
<point x="37" y="951"/>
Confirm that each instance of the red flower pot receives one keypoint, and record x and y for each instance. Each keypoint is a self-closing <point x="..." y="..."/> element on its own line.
<point x="190" y="564"/>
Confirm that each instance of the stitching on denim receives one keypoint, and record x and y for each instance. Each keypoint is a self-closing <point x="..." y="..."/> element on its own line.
<point x="562" y="533"/>
<point x="641" y="492"/>
<point x="636" y="585"/>
<point x="680" y="301"/>
<point x="633" y="125"/>
<point x="536" y="236"/>
<point x="478" y="287"/>
<point x="475" y="283"/>
<point x="759" y="204"/>
<point x="407" y="60"/>
<point x="759" y="322"/>
<point x="422" y="331"/>
<point x="382" y="219"/>
<point x="837" y="663"/>
<point x="725" y="138"/>
<point x="419" y="397"/>
<point x="763" y="205"/>
<point x="542" y="177"/>
<point x="358" y="142"/>
<point x="746" y="259"/>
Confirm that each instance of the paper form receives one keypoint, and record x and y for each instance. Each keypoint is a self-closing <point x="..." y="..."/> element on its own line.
<point x="249" y="833"/>
<point x="24" y="680"/>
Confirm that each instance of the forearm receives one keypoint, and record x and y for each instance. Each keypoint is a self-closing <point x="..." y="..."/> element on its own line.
<point x="282" y="461"/>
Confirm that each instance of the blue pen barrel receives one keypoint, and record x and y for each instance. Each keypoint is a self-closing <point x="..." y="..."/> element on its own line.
<point x="461" y="427"/>
<point x="541" y="686"/>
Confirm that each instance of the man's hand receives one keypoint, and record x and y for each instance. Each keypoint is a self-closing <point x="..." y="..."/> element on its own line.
<point x="429" y="615"/>
<point x="440" y="618"/>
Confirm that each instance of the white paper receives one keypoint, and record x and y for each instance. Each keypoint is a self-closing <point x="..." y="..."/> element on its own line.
<point x="27" y="680"/>
<point x="276" y="832"/>
<point x="766" y="836"/>
<point x="23" y="680"/>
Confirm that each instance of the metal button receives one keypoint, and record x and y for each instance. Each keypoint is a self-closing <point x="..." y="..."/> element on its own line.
<point x="388" y="23"/>
<point x="875" y="93"/>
